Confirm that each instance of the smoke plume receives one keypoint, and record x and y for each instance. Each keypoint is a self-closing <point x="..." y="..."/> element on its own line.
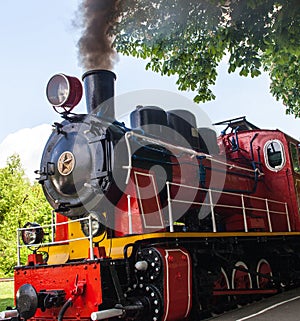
<point x="95" y="44"/>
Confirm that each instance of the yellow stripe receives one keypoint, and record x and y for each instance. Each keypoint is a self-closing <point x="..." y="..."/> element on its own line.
<point x="114" y="247"/>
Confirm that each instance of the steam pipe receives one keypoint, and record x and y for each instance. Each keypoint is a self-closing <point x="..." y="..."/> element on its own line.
<point x="99" y="88"/>
<point x="64" y="309"/>
<point x="106" y="314"/>
<point x="251" y="146"/>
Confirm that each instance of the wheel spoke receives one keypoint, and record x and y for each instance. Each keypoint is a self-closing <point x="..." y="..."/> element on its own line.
<point x="264" y="268"/>
<point x="241" y="279"/>
<point x="220" y="303"/>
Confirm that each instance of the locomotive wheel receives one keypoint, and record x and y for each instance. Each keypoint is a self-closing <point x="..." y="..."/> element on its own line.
<point x="221" y="302"/>
<point x="222" y="283"/>
<point x="263" y="267"/>
<point x="241" y="279"/>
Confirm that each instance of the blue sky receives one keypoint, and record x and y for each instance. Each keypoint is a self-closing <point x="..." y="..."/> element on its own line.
<point x="38" y="39"/>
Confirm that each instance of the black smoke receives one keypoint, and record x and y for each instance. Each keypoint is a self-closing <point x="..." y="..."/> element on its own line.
<point x="95" y="45"/>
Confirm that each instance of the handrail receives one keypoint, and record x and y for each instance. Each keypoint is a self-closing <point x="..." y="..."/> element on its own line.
<point x="52" y="227"/>
<point x="170" y="208"/>
<point x="244" y="213"/>
<point x="186" y="150"/>
<point x="208" y="201"/>
<point x="227" y="193"/>
<point x="265" y="208"/>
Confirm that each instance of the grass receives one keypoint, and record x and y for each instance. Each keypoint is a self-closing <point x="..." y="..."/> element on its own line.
<point x="6" y="295"/>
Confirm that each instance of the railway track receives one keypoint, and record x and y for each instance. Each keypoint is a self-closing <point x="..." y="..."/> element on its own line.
<point x="6" y="279"/>
<point x="282" y="306"/>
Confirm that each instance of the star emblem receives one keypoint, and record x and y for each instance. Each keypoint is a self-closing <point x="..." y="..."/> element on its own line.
<point x="66" y="163"/>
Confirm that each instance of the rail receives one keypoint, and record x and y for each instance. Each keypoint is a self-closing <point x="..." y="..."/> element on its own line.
<point x="268" y="207"/>
<point x="182" y="149"/>
<point x="52" y="227"/>
<point x="211" y="201"/>
<point x="6" y="279"/>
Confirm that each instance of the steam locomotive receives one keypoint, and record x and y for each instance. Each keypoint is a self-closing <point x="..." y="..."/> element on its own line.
<point x="159" y="220"/>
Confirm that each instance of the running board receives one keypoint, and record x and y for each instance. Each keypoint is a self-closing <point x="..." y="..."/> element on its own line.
<point x="245" y="291"/>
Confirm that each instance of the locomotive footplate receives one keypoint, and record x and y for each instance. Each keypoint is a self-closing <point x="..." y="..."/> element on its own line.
<point x="43" y="291"/>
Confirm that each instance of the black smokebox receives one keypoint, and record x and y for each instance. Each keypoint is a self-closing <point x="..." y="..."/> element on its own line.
<point x="99" y="88"/>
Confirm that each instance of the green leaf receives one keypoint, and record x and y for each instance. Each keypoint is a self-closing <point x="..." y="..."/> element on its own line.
<point x="189" y="39"/>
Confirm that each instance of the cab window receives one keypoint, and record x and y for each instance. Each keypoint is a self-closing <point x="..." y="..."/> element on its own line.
<point x="274" y="155"/>
<point x="295" y="157"/>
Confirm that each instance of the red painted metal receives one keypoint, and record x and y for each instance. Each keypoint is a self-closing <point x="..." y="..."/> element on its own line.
<point x="61" y="232"/>
<point x="34" y="259"/>
<point x="99" y="252"/>
<point x="121" y="213"/>
<point x="237" y="176"/>
<point x="177" y="284"/>
<point x="279" y="185"/>
<point x="145" y="208"/>
<point x="80" y="281"/>
<point x="149" y="202"/>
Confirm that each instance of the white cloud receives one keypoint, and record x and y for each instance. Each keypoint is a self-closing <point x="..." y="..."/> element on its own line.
<point x="29" y="144"/>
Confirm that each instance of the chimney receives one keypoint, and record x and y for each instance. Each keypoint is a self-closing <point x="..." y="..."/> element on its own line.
<point x="99" y="88"/>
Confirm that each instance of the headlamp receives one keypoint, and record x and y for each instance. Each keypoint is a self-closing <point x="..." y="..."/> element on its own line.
<point x="32" y="233"/>
<point x="64" y="91"/>
<point x="98" y="226"/>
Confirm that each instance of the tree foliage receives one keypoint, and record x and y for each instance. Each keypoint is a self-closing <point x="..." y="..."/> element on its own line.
<point x="20" y="202"/>
<point x="189" y="38"/>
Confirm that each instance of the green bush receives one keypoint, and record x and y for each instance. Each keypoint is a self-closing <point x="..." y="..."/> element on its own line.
<point x="20" y="202"/>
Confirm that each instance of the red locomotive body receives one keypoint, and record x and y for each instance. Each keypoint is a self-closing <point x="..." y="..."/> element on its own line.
<point x="79" y="282"/>
<point x="162" y="221"/>
<point x="276" y="157"/>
